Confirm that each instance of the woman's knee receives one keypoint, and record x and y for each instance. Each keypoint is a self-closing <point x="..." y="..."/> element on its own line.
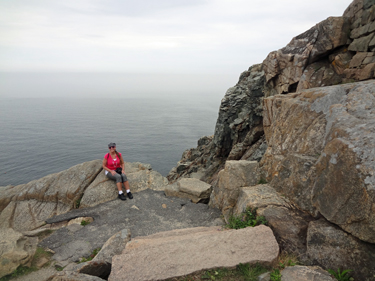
<point x="124" y="178"/>
<point x="117" y="177"/>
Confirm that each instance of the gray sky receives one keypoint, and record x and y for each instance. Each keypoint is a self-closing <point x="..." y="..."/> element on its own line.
<point x="203" y="44"/>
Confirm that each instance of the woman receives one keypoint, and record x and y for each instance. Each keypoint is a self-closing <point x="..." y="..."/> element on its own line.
<point x="113" y="161"/>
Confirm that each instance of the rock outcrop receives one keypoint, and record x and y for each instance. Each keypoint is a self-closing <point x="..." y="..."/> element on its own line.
<point x="140" y="176"/>
<point x="238" y="131"/>
<point x="336" y="50"/>
<point x="27" y="206"/>
<point x="181" y="252"/>
<point x="319" y="158"/>
<point x="284" y="68"/>
<point x="321" y="153"/>
<point x="149" y="212"/>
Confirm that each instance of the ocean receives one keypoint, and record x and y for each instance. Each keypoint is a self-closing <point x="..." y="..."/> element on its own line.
<point x="42" y="136"/>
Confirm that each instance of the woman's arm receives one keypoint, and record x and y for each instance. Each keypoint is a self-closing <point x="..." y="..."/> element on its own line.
<point x="122" y="165"/>
<point x="104" y="165"/>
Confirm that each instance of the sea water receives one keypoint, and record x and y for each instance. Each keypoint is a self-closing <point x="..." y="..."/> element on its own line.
<point x="41" y="136"/>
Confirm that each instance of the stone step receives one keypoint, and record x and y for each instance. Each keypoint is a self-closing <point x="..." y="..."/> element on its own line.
<point x="181" y="252"/>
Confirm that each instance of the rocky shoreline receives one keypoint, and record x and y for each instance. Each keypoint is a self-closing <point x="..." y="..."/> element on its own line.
<point x="294" y="140"/>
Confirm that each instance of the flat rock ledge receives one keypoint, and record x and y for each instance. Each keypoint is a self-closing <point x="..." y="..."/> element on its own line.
<point x="180" y="252"/>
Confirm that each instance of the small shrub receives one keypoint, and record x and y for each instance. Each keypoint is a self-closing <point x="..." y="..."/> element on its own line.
<point x="341" y="275"/>
<point x="286" y="259"/>
<point x="78" y="203"/>
<point x="248" y="218"/>
<point x="262" y="181"/>
<point x="275" y="275"/>
<point x="85" y="222"/>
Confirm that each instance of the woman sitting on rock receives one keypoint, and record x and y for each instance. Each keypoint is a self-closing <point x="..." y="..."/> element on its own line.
<point x="114" y="167"/>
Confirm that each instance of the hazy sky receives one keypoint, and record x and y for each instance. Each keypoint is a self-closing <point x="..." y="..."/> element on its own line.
<point x="203" y="44"/>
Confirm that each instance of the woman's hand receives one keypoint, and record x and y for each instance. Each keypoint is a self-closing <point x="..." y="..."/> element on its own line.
<point x="113" y="173"/>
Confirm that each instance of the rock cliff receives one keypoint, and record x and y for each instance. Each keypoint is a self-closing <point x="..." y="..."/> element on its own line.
<point x="306" y="115"/>
<point x="321" y="153"/>
<point x="335" y="51"/>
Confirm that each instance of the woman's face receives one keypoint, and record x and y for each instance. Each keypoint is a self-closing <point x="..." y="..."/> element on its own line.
<point x="112" y="148"/>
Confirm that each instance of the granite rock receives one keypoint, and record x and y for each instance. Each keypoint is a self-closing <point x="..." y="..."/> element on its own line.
<point x="320" y="153"/>
<point x="159" y="258"/>
<point x="236" y="174"/>
<point x="332" y="247"/>
<point x="305" y="273"/>
<point x="27" y="206"/>
<point x="15" y="250"/>
<point x="193" y="189"/>
<point x="288" y="223"/>
<point x="140" y="177"/>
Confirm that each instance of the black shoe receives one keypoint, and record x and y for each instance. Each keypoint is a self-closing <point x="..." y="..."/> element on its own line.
<point x="122" y="196"/>
<point x="130" y="195"/>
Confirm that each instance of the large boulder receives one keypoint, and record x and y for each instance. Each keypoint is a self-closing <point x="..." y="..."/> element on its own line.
<point x="181" y="252"/>
<point x="27" y="206"/>
<point x="15" y="250"/>
<point x="113" y="246"/>
<point x="140" y="177"/>
<point x="236" y="174"/>
<point x="288" y="223"/>
<point x="193" y="189"/>
<point x="330" y="246"/>
<point x="321" y="153"/>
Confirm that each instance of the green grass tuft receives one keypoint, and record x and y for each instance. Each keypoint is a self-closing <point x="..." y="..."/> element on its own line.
<point x="275" y="275"/>
<point x="251" y="272"/>
<point x="341" y="275"/>
<point x="248" y="218"/>
<point x="83" y="222"/>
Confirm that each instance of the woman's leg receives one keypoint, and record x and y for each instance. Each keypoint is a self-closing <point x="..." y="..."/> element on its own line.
<point x="117" y="178"/>
<point x="126" y="185"/>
